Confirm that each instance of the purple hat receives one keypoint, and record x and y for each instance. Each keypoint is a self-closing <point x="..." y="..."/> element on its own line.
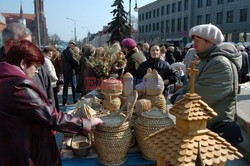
<point x="129" y="43"/>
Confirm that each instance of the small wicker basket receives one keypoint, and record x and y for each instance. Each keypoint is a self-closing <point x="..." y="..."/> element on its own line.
<point x="80" y="145"/>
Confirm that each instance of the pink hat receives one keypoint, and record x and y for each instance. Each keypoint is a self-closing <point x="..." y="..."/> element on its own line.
<point x="129" y="43"/>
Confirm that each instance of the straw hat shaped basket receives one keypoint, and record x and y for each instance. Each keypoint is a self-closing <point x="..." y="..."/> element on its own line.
<point x="148" y="123"/>
<point x="113" y="137"/>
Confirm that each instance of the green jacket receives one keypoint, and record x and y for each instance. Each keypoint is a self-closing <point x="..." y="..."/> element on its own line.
<point x="217" y="80"/>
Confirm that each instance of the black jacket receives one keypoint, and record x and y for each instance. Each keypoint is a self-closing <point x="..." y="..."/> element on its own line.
<point x="162" y="67"/>
<point x="69" y="62"/>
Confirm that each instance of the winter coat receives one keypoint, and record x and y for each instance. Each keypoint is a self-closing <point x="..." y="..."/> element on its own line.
<point x="134" y="59"/>
<point x="217" y="80"/>
<point x="49" y="67"/>
<point x="69" y="62"/>
<point x="26" y="122"/>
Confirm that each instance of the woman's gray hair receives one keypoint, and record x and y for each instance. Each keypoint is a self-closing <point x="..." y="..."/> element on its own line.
<point x="15" y="31"/>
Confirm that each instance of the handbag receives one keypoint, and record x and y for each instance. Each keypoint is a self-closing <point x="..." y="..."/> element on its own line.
<point x="230" y="131"/>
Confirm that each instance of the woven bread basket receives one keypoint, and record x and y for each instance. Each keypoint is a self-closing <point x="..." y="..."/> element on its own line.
<point x="111" y="86"/>
<point x="113" y="137"/>
<point x="148" y="123"/>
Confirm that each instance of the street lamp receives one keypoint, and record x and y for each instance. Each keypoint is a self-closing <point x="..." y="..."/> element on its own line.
<point x="135" y="9"/>
<point x="74" y="25"/>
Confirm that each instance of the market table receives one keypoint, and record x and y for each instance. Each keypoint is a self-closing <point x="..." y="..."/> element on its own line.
<point x="68" y="159"/>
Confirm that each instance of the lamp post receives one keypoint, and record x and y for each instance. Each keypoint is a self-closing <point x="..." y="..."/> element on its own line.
<point x="74" y="25"/>
<point x="135" y="9"/>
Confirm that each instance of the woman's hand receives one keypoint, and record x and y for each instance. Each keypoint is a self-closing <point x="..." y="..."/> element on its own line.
<point x="95" y="121"/>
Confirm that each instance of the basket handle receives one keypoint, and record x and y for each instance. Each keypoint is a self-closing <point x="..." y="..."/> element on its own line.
<point x="130" y="106"/>
<point x="88" y="137"/>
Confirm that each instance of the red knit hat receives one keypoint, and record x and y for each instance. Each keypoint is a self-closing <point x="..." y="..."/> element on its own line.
<point x="129" y="43"/>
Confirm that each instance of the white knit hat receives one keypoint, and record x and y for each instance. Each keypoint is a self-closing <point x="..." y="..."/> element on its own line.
<point x="208" y="32"/>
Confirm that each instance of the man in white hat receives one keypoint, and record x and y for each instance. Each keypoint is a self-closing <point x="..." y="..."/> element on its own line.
<point x="217" y="80"/>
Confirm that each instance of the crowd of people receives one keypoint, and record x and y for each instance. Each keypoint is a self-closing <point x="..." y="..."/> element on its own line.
<point x="30" y="107"/>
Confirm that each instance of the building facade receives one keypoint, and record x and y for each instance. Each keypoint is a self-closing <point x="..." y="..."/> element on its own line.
<point x="31" y="22"/>
<point x="171" y="20"/>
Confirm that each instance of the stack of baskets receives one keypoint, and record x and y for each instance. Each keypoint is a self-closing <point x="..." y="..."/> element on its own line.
<point x="148" y="123"/>
<point x="113" y="137"/>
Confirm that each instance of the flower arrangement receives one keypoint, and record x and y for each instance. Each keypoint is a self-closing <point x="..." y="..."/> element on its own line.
<point x="108" y="60"/>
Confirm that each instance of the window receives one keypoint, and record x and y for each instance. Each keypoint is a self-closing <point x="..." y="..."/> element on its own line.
<point x="209" y="3"/>
<point x="153" y="26"/>
<point x="149" y="15"/>
<point x="146" y="28"/>
<point x="142" y="29"/>
<point x="139" y="29"/>
<point x="186" y="5"/>
<point x="179" y="6"/>
<point x="230" y="17"/>
<point x="149" y="27"/>
<point x="139" y="17"/>
<point x="162" y="10"/>
<point x="142" y="16"/>
<point x="158" y="12"/>
<point x="157" y="26"/>
<point x="167" y="9"/>
<point x="199" y="19"/>
<point x="220" y="2"/>
<point x="243" y="15"/>
<point x="146" y="15"/>
<point x="167" y="25"/>
<point x="185" y="24"/>
<point x="179" y="24"/>
<point x="162" y="26"/>
<point x="173" y="25"/>
<point x="154" y="13"/>
<point x="173" y="8"/>
<point x="219" y="18"/>
<point x="230" y="0"/>
<point x="199" y="3"/>
<point x="208" y="18"/>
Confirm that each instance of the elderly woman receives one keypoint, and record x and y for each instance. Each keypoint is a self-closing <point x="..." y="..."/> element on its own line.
<point x="155" y="62"/>
<point x="27" y="118"/>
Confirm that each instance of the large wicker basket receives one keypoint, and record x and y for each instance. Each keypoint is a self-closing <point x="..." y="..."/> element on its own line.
<point x="146" y="124"/>
<point x="113" y="137"/>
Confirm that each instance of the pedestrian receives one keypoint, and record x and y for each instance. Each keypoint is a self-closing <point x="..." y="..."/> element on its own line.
<point x="17" y="31"/>
<point x="245" y="65"/>
<point x="70" y="68"/>
<point x="155" y="62"/>
<point x="133" y="56"/>
<point x="50" y="69"/>
<point x="27" y="118"/>
<point x="217" y="80"/>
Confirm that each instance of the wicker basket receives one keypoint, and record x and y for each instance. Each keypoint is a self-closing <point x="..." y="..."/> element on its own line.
<point x="148" y="123"/>
<point x="80" y="145"/>
<point x="113" y="137"/>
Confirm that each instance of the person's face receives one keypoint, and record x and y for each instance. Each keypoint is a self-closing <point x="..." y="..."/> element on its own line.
<point x="201" y="44"/>
<point x="155" y="52"/>
<point x="30" y="71"/>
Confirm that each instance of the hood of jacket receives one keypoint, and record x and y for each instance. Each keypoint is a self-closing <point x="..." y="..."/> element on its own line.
<point x="223" y="49"/>
<point x="8" y="70"/>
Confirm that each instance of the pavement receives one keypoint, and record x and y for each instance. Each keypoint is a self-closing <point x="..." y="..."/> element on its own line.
<point x="243" y="117"/>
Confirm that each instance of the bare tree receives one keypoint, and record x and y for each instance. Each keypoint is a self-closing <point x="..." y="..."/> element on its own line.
<point x="54" y="39"/>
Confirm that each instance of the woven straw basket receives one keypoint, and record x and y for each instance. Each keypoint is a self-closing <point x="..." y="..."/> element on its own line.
<point x="148" y="123"/>
<point x="80" y="145"/>
<point x="113" y="137"/>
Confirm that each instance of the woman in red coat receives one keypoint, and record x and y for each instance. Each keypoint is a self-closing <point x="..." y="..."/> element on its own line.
<point x="27" y="118"/>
